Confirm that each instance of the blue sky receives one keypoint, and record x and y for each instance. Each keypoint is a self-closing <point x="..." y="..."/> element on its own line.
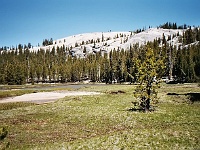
<point x="23" y="21"/>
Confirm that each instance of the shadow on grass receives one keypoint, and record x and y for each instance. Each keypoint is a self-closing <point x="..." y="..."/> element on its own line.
<point x="117" y="92"/>
<point x="193" y="97"/>
<point x="136" y="110"/>
<point x="152" y="109"/>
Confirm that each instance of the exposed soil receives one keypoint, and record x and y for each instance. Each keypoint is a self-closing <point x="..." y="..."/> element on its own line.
<point x="45" y="97"/>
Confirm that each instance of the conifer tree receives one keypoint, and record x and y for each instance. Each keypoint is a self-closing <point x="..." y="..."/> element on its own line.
<point x="149" y="68"/>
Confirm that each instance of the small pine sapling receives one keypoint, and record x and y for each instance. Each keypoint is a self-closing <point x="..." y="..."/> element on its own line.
<point x="148" y="69"/>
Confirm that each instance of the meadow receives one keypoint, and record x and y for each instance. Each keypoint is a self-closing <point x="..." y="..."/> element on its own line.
<point x="106" y="121"/>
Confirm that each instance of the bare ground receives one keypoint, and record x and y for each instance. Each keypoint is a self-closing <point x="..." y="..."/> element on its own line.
<point x="45" y="97"/>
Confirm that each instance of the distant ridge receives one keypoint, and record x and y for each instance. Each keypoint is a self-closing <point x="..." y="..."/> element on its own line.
<point x="86" y="43"/>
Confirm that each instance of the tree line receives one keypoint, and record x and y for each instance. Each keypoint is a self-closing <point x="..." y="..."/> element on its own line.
<point x="170" y="25"/>
<point x="22" y="66"/>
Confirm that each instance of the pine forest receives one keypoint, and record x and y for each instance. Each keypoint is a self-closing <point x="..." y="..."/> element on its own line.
<point x="21" y="66"/>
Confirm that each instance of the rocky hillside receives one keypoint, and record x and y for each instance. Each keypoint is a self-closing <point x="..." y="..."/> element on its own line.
<point x="82" y="44"/>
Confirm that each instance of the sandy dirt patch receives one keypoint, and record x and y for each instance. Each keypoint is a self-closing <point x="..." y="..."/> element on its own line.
<point x="45" y="97"/>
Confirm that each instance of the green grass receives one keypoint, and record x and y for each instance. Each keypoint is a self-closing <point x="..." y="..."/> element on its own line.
<point x="104" y="122"/>
<point x="9" y="106"/>
<point x="18" y="92"/>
